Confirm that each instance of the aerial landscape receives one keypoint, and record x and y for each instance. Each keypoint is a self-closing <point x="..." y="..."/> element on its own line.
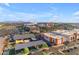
<point x="39" y="29"/>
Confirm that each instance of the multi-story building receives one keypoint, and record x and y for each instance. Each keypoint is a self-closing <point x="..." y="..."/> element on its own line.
<point x="60" y="36"/>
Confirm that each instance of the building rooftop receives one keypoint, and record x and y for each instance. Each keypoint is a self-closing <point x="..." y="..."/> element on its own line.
<point x="29" y="44"/>
<point x="23" y="36"/>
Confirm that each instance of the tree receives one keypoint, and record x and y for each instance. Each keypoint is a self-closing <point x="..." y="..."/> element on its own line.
<point x="12" y="51"/>
<point x="44" y="45"/>
<point x="66" y="43"/>
<point x="26" y="51"/>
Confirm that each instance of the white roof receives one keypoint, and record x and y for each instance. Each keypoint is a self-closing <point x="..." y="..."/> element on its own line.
<point x="23" y="36"/>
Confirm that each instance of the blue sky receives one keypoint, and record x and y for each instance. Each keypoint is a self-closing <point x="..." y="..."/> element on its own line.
<point x="39" y="12"/>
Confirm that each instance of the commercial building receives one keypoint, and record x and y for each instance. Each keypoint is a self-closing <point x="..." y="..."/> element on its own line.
<point x="27" y="41"/>
<point x="71" y="34"/>
<point x="53" y="39"/>
<point x="60" y="36"/>
<point x="45" y="24"/>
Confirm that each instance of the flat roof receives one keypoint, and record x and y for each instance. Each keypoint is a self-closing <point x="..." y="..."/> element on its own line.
<point x="29" y="44"/>
<point x="55" y="34"/>
<point x="23" y="36"/>
<point x="59" y="34"/>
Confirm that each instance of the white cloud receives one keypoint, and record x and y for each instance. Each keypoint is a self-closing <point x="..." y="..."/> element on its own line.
<point x="8" y="15"/>
<point x="7" y="4"/>
<point x="76" y="16"/>
<point x="76" y="13"/>
<point x="55" y="18"/>
<point x="53" y="9"/>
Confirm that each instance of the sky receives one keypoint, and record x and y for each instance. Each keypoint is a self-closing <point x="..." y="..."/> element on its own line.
<point x="39" y="12"/>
